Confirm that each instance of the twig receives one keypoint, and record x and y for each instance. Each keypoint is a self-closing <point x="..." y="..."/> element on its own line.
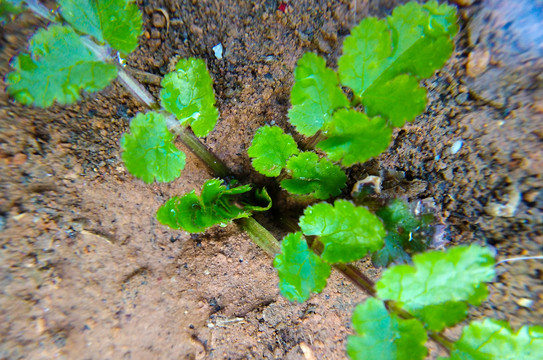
<point x="539" y="257"/>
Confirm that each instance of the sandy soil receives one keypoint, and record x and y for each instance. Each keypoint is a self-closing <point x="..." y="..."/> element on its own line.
<point x="88" y="273"/>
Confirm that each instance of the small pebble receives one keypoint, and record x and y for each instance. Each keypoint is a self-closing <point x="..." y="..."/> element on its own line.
<point x="456" y="146"/>
<point x="463" y="2"/>
<point x="158" y="20"/>
<point x="478" y="61"/>
<point x="217" y="49"/>
<point x="524" y="302"/>
<point x="155" y="34"/>
<point x="19" y="159"/>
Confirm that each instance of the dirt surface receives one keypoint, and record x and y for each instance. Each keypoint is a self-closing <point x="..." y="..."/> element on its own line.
<point x="88" y="273"/>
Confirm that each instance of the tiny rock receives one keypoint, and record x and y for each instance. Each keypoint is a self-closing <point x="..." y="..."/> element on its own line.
<point x="266" y="95"/>
<point x="158" y="21"/>
<point x="478" y="61"/>
<point x="155" y="34"/>
<point x="524" y="302"/>
<point x="456" y="147"/>
<point x="19" y="159"/>
<point x="463" y="2"/>
<point x="218" y="49"/>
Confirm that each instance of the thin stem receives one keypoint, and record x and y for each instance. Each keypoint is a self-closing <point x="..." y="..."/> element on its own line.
<point x="539" y="257"/>
<point x="260" y="236"/>
<point x="136" y="89"/>
<point x="39" y="9"/>
<point x="310" y="143"/>
<point x="357" y="277"/>
<point x="193" y="143"/>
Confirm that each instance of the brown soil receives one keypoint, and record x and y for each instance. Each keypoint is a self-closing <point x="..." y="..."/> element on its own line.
<point x="88" y="273"/>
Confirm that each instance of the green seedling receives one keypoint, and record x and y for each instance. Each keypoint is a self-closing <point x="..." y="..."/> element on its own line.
<point x="382" y="64"/>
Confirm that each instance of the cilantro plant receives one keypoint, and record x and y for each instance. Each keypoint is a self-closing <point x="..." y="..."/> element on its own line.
<point x="382" y="64"/>
<point x="79" y="52"/>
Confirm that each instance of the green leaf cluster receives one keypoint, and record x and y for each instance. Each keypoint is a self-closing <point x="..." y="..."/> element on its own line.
<point x="149" y="152"/>
<point x="383" y="60"/>
<point x="61" y="61"/>
<point x="346" y="232"/>
<point x="382" y="63"/>
<point x="312" y="176"/>
<point x="436" y="290"/>
<point x="272" y="151"/>
<point x="216" y="204"/>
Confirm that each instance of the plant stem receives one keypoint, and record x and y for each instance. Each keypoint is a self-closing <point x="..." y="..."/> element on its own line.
<point x="440" y="339"/>
<point x="310" y="143"/>
<point x="260" y="236"/>
<point x="136" y="89"/>
<point x="39" y="9"/>
<point x="216" y="166"/>
<point x="357" y="277"/>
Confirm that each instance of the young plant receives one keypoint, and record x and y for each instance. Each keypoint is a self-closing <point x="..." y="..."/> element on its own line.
<point x="79" y="52"/>
<point x="382" y="63"/>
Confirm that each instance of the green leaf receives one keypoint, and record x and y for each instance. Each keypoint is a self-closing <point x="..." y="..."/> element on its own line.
<point x="58" y="68"/>
<point x="149" y="152"/>
<point x="348" y="232"/>
<point x="118" y="22"/>
<point x="493" y="339"/>
<point x="270" y="149"/>
<point x="301" y="272"/>
<point x="399" y="100"/>
<point x="216" y="205"/>
<point x="405" y="233"/>
<point x="377" y="56"/>
<point x="187" y="93"/>
<point x="441" y="316"/>
<point x="439" y="277"/>
<point x="385" y="336"/>
<point x="315" y="95"/>
<point x="352" y="137"/>
<point x="392" y="252"/>
<point x="9" y="7"/>
<point x="311" y="176"/>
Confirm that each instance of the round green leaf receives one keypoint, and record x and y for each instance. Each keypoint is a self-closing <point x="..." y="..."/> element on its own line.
<point x="315" y="95"/>
<point x="301" y="272"/>
<point x="353" y="138"/>
<point x="119" y="22"/>
<point x="149" y="152"/>
<point x="311" y="176"/>
<point x="385" y="336"/>
<point x="494" y="340"/>
<point x="270" y="149"/>
<point x="58" y="67"/>
<point x="348" y="232"/>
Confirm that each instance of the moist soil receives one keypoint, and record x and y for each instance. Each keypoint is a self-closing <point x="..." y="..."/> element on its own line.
<point x="87" y="272"/>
